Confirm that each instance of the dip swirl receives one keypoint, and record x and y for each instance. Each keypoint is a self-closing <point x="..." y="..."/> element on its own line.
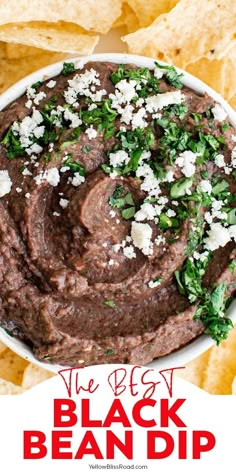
<point x="117" y="215"/>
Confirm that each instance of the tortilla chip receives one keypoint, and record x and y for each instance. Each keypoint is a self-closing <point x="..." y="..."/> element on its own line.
<point x="195" y="370"/>
<point x="12" y="367"/>
<point x="16" y="51"/>
<point x="92" y="15"/>
<point x="8" y="388"/>
<point x="148" y="11"/>
<point x="230" y="74"/>
<point x="234" y="386"/>
<point x="221" y="368"/>
<point x="33" y="375"/>
<point x="61" y="38"/>
<point x="14" y="70"/>
<point x="2" y="50"/>
<point x="190" y="31"/>
<point x="2" y="348"/>
<point x="128" y="18"/>
<point x="232" y="102"/>
<point x="211" y="72"/>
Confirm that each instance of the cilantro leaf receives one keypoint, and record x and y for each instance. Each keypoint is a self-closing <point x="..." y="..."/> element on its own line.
<point x="110" y="303"/>
<point x="68" y="68"/>
<point x="180" y="187"/>
<point x="232" y="266"/>
<point x="172" y="76"/>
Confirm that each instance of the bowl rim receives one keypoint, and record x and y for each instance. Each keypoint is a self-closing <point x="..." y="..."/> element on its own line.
<point x="201" y="343"/>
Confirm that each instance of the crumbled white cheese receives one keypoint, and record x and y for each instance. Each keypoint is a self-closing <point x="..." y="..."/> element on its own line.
<point x="158" y="73"/>
<point x="138" y="119"/>
<point x="28" y="104"/>
<point x="111" y="262"/>
<point x="77" y="179"/>
<point x="150" y="184"/>
<point x="73" y="118"/>
<point x="154" y="283"/>
<point x="39" y="131"/>
<point x="84" y="84"/>
<point x="220" y="160"/>
<point x="144" y="156"/>
<point x="27" y="195"/>
<point x="64" y="169"/>
<point x="129" y="252"/>
<point x="127" y="90"/>
<point x="112" y="213"/>
<point x="39" y="97"/>
<point x="52" y="176"/>
<point x="161" y="100"/>
<point x="26" y="172"/>
<point x="171" y="213"/>
<point x="91" y="132"/>
<point x="141" y="234"/>
<point x="118" y="158"/>
<point x="205" y="186"/>
<point x="169" y="176"/>
<point x="5" y="183"/>
<point x="186" y="161"/>
<point x="208" y="217"/>
<point x="51" y="84"/>
<point x="159" y="239"/>
<point x="219" y="113"/>
<point x="233" y="157"/>
<point x="55" y="213"/>
<point x="92" y="107"/>
<point x="232" y="231"/>
<point x="18" y="189"/>
<point x="200" y="256"/>
<point x="146" y="212"/>
<point x="63" y="202"/>
<point x="218" y="236"/>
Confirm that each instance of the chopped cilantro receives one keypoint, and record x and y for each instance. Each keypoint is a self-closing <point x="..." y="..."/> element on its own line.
<point x="197" y="117"/>
<point x="165" y="222"/>
<point x="110" y="303"/>
<point x="50" y="104"/>
<point x="149" y="83"/>
<point x="73" y="165"/>
<point x="195" y="236"/>
<point x="68" y="68"/>
<point x="128" y="213"/>
<point x="68" y="143"/>
<point x="36" y="85"/>
<point x="180" y="187"/>
<point x="47" y="157"/>
<point x="232" y="266"/>
<point x="212" y="305"/>
<point x="118" y="201"/>
<point x="172" y="76"/>
<point x="225" y="127"/>
<point x="114" y="200"/>
<point x="220" y="187"/>
<point x="86" y="149"/>
<point x="109" y="352"/>
<point x="180" y="110"/>
<point x="212" y="313"/>
<point x="12" y="144"/>
<point x="231" y="217"/>
<point x="190" y="278"/>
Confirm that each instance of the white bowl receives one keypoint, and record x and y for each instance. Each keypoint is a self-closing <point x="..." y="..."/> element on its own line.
<point x="203" y="342"/>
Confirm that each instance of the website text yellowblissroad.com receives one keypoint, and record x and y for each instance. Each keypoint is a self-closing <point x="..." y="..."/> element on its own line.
<point x="118" y="467"/>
